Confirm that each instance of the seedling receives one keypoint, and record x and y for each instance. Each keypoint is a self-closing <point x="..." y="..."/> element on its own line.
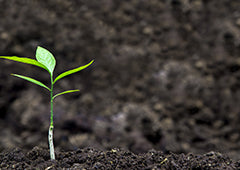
<point x="46" y="60"/>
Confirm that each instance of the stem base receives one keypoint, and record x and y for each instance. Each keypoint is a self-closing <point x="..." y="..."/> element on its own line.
<point x="50" y="140"/>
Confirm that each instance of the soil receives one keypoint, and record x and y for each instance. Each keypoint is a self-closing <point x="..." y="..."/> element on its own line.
<point x="164" y="87"/>
<point x="89" y="158"/>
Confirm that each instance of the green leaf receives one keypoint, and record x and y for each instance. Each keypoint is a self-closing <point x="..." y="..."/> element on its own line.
<point x="25" y="60"/>
<point x="71" y="71"/>
<point x="65" y="92"/>
<point x="31" y="80"/>
<point x="46" y="58"/>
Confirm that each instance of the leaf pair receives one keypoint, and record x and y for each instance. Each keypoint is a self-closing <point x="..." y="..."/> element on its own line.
<point x="45" y="60"/>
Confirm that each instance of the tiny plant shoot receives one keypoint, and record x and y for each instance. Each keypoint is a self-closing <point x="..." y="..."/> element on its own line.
<point x="46" y="60"/>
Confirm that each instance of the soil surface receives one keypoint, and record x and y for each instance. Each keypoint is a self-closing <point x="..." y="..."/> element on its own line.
<point x="164" y="87"/>
<point x="90" y="158"/>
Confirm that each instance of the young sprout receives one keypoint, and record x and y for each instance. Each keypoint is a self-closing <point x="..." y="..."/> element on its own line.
<point x="46" y="60"/>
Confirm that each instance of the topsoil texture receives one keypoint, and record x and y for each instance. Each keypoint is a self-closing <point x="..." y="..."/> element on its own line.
<point x="166" y="77"/>
<point x="90" y="158"/>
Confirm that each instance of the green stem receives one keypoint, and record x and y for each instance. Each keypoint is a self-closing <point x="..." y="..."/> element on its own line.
<point x="50" y="132"/>
<point x="51" y="102"/>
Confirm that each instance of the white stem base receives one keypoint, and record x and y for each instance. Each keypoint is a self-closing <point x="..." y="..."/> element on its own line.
<point x="50" y="141"/>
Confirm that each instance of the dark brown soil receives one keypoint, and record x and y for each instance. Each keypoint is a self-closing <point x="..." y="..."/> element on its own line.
<point x="90" y="158"/>
<point x="166" y="77"/>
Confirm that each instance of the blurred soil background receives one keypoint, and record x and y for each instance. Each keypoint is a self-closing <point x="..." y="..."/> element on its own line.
<point x="166" y="75"/>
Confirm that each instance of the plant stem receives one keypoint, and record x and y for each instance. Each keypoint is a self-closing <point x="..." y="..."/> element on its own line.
<point x="50" y="132"/>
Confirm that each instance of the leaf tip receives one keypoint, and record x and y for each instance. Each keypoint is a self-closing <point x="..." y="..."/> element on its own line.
<point x="39" y="47"/>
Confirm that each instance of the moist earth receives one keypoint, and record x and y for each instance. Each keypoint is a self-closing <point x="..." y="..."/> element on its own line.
<point x="89" y="158"/>
<point x="164" y="87"/>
